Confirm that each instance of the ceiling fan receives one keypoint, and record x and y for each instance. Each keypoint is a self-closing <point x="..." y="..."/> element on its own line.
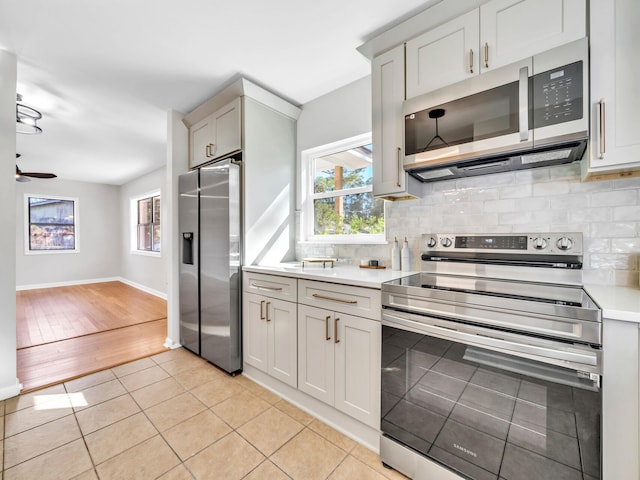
<point x="24" y="176"/>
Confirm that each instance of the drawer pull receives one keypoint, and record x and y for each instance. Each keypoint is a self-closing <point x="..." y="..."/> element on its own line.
<point x="335" y="330"/>
<point x="350" y="302"/>
<point x="268" y="319"/>
<point x="326" y="328"/>
<point x="266" y="287"/>
<point x="261" y="306"/>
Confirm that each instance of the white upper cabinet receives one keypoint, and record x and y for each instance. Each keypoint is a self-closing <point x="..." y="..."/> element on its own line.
<point x="615" y="99"/>
<point x="217" y="135"/>
<point x="390" y="181"/>
<point x="442" y="56"/>
<point x="500" y="32"/>
<point x="511" y="30"/>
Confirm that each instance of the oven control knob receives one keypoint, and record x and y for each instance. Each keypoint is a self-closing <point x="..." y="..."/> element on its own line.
<point x="539" y="243"/>
<point x="564" y="243"/>
<point x="446" y="242"/>
<point x="432" y="242"/>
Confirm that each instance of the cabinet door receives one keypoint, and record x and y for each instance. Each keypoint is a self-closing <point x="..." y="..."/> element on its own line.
<point x="444" y="55"/>
<point x="254" y="331"/>
<point x="615" y="122"/>
<point x="282" y="341"/>
<point x="226" y="129"/>
<point x="315" y="353"/>
<point x="357" y="369"/>
<point x="387" y="87"/>
<point x="511" y="30"/>
<point x="200" y="139"/>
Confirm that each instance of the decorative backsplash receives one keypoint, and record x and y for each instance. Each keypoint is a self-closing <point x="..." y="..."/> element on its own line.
<point x="551" y="199"/>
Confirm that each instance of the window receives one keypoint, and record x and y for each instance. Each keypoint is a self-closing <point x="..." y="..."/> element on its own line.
<point x="52" y="224"/>
<point x="148" y="223"/>
<point x="339" y="202"/>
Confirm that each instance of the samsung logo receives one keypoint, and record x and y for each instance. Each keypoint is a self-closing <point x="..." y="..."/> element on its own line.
<point x="462" y="449"/>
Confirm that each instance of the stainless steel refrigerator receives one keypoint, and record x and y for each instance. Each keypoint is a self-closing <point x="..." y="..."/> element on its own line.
<point x="210" y="257"/>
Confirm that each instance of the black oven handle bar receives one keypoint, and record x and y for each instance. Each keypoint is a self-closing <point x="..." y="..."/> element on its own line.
<point x="583" y="359"/>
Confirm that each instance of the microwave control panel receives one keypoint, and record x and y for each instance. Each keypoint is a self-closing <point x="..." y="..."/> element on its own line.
<point x="557" y="95"/>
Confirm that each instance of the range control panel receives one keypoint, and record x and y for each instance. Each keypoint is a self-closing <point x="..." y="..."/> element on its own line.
<point x="565" y="243"/>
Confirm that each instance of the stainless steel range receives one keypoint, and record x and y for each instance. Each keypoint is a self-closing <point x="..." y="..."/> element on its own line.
<point x="491" y="361"/>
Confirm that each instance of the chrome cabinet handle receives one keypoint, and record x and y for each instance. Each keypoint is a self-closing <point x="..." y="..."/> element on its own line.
<point x="335" y="330"/>
<point x="351" y="302"/>
<point x="523" y="99"/>
<point x="471" y="60"/>
<point x="261" y="312"/>
<point x="266" y="287"/>
<point x="268" y="319"/>
<point x="601" y="139"/>
<point x="399" y="166"/>
<point x="486" y="55"/>
<point x="326" y="328"/>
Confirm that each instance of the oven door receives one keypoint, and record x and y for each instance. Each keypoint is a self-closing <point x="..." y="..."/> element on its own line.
<point x="482" y="412"/>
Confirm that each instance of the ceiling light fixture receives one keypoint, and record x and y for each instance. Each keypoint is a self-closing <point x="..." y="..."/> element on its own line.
<point x="27" y="118"/>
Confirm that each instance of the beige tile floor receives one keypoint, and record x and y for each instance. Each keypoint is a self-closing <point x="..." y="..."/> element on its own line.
<point x="172" y="417"/>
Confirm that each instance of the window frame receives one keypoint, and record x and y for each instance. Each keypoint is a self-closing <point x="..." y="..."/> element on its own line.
<point x="27" y="225"/>
<point x="308" y="195"/>
<point x="134" y="212"/>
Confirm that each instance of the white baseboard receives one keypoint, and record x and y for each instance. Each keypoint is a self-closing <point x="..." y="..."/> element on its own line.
<point x="94" y="280"/>
<point x="10" y="390"/>
<point x="67" y="284"/>
<point x="168" y="343"/>
<point x="143" y="288"/>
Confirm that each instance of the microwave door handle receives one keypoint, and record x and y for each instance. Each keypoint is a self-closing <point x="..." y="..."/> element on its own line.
<point x="523" y="99"/>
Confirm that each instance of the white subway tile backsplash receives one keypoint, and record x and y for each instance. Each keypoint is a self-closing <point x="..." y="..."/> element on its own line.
<point x="625" y="245"/>
<point x="618" y="230"/>
<point x="550" y="188"/>
<point x="628" y="213"/>
<point x="591" y="215"/>
<point x="614" y="198"/>
<point x="548" y="199"/>
<point x="612" y="261"/>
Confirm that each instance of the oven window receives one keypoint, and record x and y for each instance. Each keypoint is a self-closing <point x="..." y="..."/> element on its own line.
<point x="456" y="404"/>
<point x="487" y="114"/>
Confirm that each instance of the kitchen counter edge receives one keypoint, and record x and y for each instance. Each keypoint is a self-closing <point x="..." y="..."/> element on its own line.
<point x="344" y="275"/>
<point x="616" y="302"/>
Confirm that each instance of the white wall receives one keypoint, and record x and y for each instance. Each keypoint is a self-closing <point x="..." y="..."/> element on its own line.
<point x="142" y="270"/>
<point x="538" y="200"/>
<point x="9" y="386"/>
<point x="343" y="113"/>
<point x="99" y="230"/>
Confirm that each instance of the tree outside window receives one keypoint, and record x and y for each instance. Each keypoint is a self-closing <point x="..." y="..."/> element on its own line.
<point x="341" y="202"/>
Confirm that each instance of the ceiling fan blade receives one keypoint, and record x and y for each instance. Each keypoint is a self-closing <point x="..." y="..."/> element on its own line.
<point x="38" y="175"/>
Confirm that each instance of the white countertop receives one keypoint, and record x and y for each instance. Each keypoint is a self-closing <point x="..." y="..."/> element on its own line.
<point x="617" y="303"/>
<point x="343" y="274"/>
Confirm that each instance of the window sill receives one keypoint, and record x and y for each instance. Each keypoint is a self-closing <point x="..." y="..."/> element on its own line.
<point x="144" y="253"/>
<point x="356" y="240"/>
<point x="50" y="252"/>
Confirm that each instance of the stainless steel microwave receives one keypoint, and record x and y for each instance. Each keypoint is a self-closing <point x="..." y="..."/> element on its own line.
<point x="528" y="114"/>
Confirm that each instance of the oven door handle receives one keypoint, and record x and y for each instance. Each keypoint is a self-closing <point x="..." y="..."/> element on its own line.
<point x="569" y="357"/>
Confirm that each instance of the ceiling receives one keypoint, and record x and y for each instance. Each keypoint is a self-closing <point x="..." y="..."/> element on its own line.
<point x="104" y="73"/>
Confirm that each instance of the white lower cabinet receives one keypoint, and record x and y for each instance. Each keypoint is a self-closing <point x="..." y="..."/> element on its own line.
<point x="270" y="328"/>
<point x="339" y="361"/>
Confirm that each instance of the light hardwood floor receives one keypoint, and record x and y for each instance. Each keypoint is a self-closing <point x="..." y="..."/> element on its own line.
<point x="65" y="332"/>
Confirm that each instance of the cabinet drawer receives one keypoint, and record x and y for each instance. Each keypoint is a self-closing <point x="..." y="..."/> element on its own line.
<point x="272" y="286"/>
<point x="364" y="302"/>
